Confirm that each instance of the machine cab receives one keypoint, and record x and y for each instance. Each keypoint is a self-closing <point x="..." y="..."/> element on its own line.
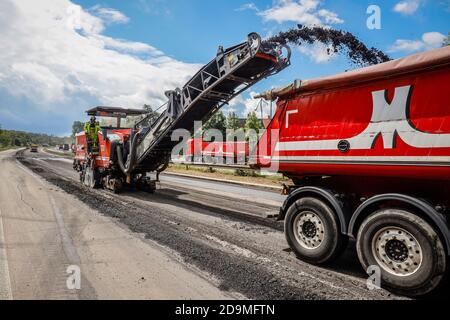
<point x="117" y="125"/>
<point x="116" y="121"/>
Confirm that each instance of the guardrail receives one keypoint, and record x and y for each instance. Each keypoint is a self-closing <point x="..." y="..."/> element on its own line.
<point x="213" y="165"/>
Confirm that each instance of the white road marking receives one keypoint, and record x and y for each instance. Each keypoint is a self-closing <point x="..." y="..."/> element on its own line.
<point x="239" y="250"/>
<point x="5" y="281"/>
<point x="68" y="246"/>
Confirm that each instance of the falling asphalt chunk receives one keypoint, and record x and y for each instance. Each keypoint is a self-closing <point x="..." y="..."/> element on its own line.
<point x="338" y="41"/>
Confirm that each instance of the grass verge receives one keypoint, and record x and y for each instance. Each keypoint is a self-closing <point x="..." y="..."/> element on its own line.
<point x="7" y="148"/>
<point x="60" y="154"/>
<point x="239" y="175"/>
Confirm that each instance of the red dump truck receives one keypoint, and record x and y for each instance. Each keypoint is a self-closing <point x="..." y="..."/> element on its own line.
<point x="369" y="154"/>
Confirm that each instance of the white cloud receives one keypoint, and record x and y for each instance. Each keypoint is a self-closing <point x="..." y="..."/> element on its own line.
<point x="428" y="41"/>
<point x="318" y="52"/>
<point x="433" y="39"/>
<point x="53" y="53"/>
<point x="407" y="7"/>
<point x="109" y="15"/>
<point x="407" y="45"/>
<point x="304" y="12"/>
<point x="247" y="105"/>
<point x="247" y="6"/>
<point x="330" y="17"/>
<point x="126" y="46"/>
<point x="243" y="106"/>
<point x="250" y="105"/>
<point x="155" y="7"/>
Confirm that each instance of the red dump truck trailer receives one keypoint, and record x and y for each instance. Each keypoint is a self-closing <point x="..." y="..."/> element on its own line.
<point x="369" y="154"/>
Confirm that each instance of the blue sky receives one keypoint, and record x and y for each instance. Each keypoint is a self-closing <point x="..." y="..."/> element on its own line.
<point x="59" y="57"/>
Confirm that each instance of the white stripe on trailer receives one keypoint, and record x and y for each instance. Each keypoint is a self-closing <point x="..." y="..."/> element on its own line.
<point x="406" y="160"/>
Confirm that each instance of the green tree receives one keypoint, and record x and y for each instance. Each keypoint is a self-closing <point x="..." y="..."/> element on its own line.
<point x="447" y="41"/>
<point x="77" y="127"/>
<point x="21" y="138"/>
<point x="235" y="132"/>
<point x="4" y="139"/>
<point x="253" y="122"/>
<point x="233" y="121"/>
<point x="217" y="121"/>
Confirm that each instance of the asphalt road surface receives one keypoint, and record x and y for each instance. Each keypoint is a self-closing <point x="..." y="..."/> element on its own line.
<point x="192" y="239"/>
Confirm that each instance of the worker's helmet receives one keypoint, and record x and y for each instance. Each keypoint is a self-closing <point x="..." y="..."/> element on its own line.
<point x="93" y="119"/>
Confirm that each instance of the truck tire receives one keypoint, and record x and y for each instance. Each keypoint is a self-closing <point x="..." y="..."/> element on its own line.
<point x="408" y="251"/>
<point x="312" y="230"/>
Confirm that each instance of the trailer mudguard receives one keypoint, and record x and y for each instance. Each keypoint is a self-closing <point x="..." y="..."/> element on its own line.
<point x="327" y="195"/>
<point x="425" y="208"/>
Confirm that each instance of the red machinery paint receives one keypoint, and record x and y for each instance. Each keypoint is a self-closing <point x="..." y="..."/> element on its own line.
<point x="102" y="158"/>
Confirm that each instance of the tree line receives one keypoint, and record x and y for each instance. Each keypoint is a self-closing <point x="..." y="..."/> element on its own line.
<point x="13" y="138"/>
<point x="232" y="122"/>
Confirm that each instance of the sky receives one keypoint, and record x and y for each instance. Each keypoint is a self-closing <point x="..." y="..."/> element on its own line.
<point x="58" y="58"/>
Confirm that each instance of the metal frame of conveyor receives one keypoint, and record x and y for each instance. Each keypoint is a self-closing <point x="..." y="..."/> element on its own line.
<point x="229" y="74"/>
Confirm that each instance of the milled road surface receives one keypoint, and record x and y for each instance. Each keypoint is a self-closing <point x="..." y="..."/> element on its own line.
<point x="214" y="237"/>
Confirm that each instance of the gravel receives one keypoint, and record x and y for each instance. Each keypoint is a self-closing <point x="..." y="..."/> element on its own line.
<point x="338" y="41"/>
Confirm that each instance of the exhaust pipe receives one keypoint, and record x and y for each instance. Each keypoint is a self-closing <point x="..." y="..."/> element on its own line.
<point x="127" y="170"/>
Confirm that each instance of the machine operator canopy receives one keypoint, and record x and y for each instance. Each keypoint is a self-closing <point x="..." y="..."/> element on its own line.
<point x="114" y="112"/>
<point x="132" y="115"/>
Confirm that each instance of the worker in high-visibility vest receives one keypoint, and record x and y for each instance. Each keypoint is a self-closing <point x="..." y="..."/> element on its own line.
<point x="92" y="128"/>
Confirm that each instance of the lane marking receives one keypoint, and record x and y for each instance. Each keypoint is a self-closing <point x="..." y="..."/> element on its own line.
<point x="5" y="280"/>
<point x="236" y="249"/>
<point x="68" y="246"/>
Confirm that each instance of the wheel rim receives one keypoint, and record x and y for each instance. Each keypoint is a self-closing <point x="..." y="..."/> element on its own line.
<point x="397" y="251"/>
<point x="309" y="230"/>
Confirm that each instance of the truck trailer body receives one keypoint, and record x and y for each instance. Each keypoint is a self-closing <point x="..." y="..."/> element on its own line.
<point x="369" y="154"/>
<point x="393" y="118"/>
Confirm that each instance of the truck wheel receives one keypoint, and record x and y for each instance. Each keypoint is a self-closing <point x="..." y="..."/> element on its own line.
<point x="312" y="230"/>
<point x="407" y="249"/>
